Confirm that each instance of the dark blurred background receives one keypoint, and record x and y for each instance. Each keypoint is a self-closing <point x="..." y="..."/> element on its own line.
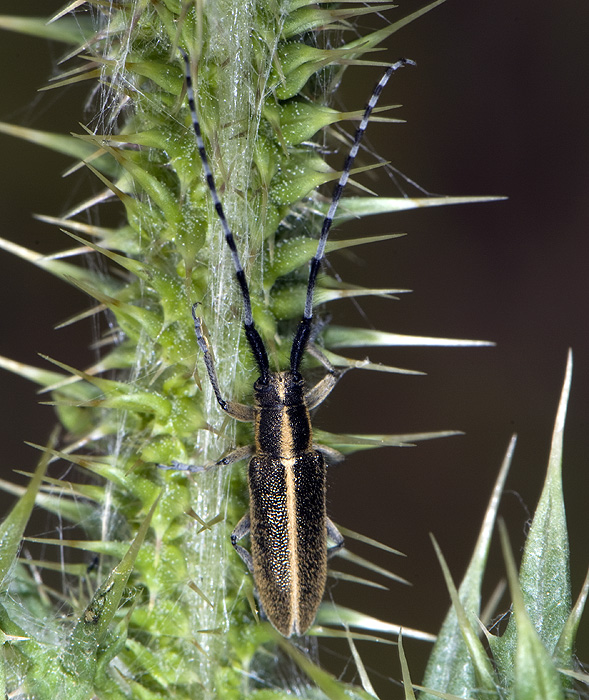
<point x="496" y="106"/>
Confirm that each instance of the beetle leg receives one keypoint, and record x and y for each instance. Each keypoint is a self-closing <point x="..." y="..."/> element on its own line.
<point x="241" y="530"/>
<point x="315" y="352"/>
<point x="332" y="455"/>
<point x="323" y="388"/>
<point x="236" y="410"/>
<point x="234" y="456"/>
<point x="336" y="536"/>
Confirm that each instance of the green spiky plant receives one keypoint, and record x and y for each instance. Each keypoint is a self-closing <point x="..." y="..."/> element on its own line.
<point x="167" y="611"/>
<point x="534" y="657"/>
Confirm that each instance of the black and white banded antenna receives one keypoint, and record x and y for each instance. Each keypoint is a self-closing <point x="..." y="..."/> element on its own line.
<point x="251" y="332"/>
<point x="304" y="330"/>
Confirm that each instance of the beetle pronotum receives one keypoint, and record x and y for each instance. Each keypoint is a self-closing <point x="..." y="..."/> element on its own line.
<point x="287" y="521"/>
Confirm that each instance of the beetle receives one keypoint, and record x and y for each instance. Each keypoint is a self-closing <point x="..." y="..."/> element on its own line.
<point x="287" y="520"/>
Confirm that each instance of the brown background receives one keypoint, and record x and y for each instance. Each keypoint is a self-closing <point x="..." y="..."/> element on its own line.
<point x="496" y="105"/>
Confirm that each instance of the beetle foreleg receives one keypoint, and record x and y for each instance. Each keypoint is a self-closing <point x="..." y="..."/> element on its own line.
<point x="236" y="410"/>
<point x="323" y="388"/>
<point x="315" y="352"/>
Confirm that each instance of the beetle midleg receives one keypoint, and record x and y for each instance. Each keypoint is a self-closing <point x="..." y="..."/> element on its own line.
<point x="336" y="537"/>
<point x="242" y="529"/>
<point x="332" y="455"/>
<point x="234" y="456"/>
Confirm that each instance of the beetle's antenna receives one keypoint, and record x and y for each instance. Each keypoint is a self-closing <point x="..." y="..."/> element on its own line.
<point x="251" y="333"/>
<point x="303" y="331"/>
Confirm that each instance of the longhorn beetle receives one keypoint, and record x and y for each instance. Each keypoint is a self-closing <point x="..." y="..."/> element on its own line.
<point x="287" y="520"/>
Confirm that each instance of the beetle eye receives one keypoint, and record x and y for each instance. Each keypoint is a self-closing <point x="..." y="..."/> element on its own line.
<point x="260" y="384"/>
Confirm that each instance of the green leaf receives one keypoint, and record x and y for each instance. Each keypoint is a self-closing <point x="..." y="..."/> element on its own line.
<point x="311" y="17"/>
<point x="80" y="654"/>
<point x="67" y="145"/>
<point x="70" y="509"/>
<point x="12" y="529"/>
<point x="534" y="673"/>
<point x="343" y="336"/>
<point x="365" y="43"/>
<point x="355" y="207"/>
<point x="407" y="684"/>
<point x="70" y="30"/>
<point x="348" y="444"/>
<point x="478" y="664"/>
<point x="42" y="377"/>
<point x="450" y="668"/>
<point x="296" y="252"/>
<point x="544" y="574"/>
<point x="331" y="614"/>
<point x="566" y="644"/>
<point x="65" y="271"/>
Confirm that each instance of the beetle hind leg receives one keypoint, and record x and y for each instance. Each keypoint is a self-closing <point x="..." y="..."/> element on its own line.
<point x="336" y="537"/>
<point x="242" y="529"/>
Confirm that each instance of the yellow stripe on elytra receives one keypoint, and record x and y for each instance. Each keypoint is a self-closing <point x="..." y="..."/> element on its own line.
<point x="291" y="510"/>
